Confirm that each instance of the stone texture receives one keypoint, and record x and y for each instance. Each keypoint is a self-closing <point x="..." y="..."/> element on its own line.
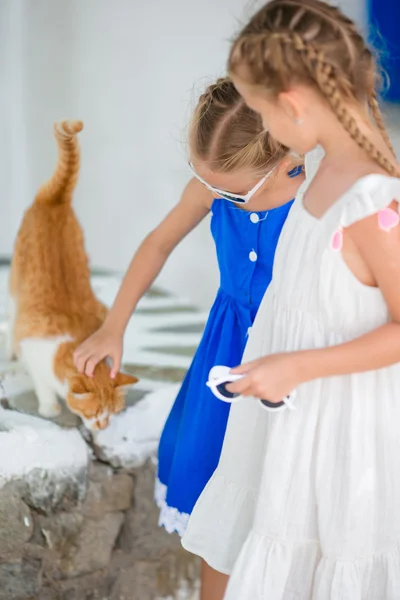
<point x="45" y="463"/>
<point x="16" y="523"/>
<point x="80" y="545"/>
<point x="109" y="493"/>
<point x="88" y="587"/>
<point x="20" y="579"/>
<point x="174" y="576"/>
<point x="141" y="536"/>
<point x="43" y="491"/>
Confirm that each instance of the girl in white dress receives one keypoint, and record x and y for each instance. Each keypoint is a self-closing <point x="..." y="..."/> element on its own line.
<point x="305" y="503"/>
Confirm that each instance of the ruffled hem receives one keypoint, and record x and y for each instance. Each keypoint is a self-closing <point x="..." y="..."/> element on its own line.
<point x="215" y="529"/>
<point x="170" y="517"/>
<point x="269" y="568"/>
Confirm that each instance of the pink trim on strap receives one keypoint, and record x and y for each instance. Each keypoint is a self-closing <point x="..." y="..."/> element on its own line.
<point x="388" y="219"/>
<point x="337" y="240"/>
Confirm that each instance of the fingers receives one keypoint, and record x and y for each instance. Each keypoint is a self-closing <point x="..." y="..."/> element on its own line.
<point x="245" y="367"/>
<point x="116" y="364"/>
<point x="241" y="387"/>
<point x="87" y="360"/>
<point x="254" y="385"/>
<point x="80" y="357"/>
<point x="92" y="363"/>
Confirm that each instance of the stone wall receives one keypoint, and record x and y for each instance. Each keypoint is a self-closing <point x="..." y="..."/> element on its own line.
<point x="101" y="544"/>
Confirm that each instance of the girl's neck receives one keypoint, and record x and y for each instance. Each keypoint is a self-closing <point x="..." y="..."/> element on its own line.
<point x="341" y="150"/>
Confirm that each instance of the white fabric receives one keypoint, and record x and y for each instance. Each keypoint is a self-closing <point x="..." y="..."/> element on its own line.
<point x="305" y="504"/>
<point x="312" y="161"/>
<point x="170" y="518"/>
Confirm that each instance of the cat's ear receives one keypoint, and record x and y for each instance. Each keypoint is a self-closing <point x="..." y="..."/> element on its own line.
<point x="124" y="380"/>
<point x="77" y="387"/>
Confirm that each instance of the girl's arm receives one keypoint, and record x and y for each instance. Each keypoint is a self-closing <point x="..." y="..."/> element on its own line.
<point x="146" y="264"/>
<point x="275" y="376"/>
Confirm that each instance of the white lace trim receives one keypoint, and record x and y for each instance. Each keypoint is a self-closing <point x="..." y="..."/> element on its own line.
<point x="160" y="493"/>
<point x="170" y="518"/>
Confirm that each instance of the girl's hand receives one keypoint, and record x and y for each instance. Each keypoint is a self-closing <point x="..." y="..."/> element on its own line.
<point x="102" y="344"/>
<point x="269" y="378"/>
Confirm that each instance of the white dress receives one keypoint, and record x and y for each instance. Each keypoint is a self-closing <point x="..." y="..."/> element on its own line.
<point x="305" y="504"/>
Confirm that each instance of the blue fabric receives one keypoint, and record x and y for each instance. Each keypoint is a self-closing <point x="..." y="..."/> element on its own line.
<point x="191" y="442"/>
<point x="384" y="21"/>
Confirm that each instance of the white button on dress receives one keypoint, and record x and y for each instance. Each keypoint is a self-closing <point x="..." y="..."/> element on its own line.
<point x="253" y="256"/>
<point x="254" y="218"/>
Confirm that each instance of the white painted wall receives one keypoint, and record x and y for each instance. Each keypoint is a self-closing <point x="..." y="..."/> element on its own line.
<point x="131" y="70"/>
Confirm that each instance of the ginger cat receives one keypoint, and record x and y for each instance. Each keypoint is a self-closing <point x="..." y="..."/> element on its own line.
<point x="52" y="305"/>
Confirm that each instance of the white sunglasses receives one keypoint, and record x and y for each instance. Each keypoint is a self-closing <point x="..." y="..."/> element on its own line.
<point x="220" y="376"/>
<point x="237" y="198"/>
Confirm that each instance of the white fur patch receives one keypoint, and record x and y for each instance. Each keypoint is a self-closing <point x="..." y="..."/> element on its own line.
<point x="37" y="354"/>
<point x="89" y="423"/>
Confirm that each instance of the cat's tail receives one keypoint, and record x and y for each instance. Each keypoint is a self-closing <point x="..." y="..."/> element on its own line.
<point x="59" y="189"/>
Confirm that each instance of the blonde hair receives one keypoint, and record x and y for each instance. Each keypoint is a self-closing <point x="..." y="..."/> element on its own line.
<point x="311" y="42"/>
<point x="228" y="135"/>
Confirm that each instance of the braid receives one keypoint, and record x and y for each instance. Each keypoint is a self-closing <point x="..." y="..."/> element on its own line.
<point x="222" y="93"/>
<point x="311" y="42"/>
<point x="323" y="74"/>
<point x="377" y="114"/>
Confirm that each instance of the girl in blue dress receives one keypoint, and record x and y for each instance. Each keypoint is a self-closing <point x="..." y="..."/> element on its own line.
<point x="248" y="182"/>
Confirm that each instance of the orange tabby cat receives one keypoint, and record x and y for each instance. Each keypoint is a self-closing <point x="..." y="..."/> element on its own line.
<point x="52" y="305"/>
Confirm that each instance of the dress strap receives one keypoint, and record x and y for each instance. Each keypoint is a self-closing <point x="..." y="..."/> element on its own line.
<point x="312" y="161"/>
<point x="368" y="196"/>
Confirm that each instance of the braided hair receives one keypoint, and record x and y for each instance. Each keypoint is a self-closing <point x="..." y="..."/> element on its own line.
<point x="311" y="42"/>
<point x="228" y="135"/>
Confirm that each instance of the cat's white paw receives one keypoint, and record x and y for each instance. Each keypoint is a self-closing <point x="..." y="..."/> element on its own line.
<point x="50" y="410"/>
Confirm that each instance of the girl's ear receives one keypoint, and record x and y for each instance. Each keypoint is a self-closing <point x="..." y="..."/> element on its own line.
<point x="291" y="105"/>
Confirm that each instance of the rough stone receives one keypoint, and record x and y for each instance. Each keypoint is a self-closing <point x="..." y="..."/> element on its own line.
<point x="141" y="536"/>
<point x="80" y="546"/>
<point x="16" y="523"/>
<point x="112" y="493"/>
<point x="46" y="463"/>
<point x="20" y="579"/>
<point x="46" y="492"/>
<point x="95" y="586"/>
<point x="62" y="531"/>
<point x="174" y="576"/>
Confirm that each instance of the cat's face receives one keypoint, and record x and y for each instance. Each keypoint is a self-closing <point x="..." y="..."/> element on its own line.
<point x="96" y="399"/>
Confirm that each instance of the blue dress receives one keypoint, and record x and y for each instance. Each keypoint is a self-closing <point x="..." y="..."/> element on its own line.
<point x="191" y="442"/>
